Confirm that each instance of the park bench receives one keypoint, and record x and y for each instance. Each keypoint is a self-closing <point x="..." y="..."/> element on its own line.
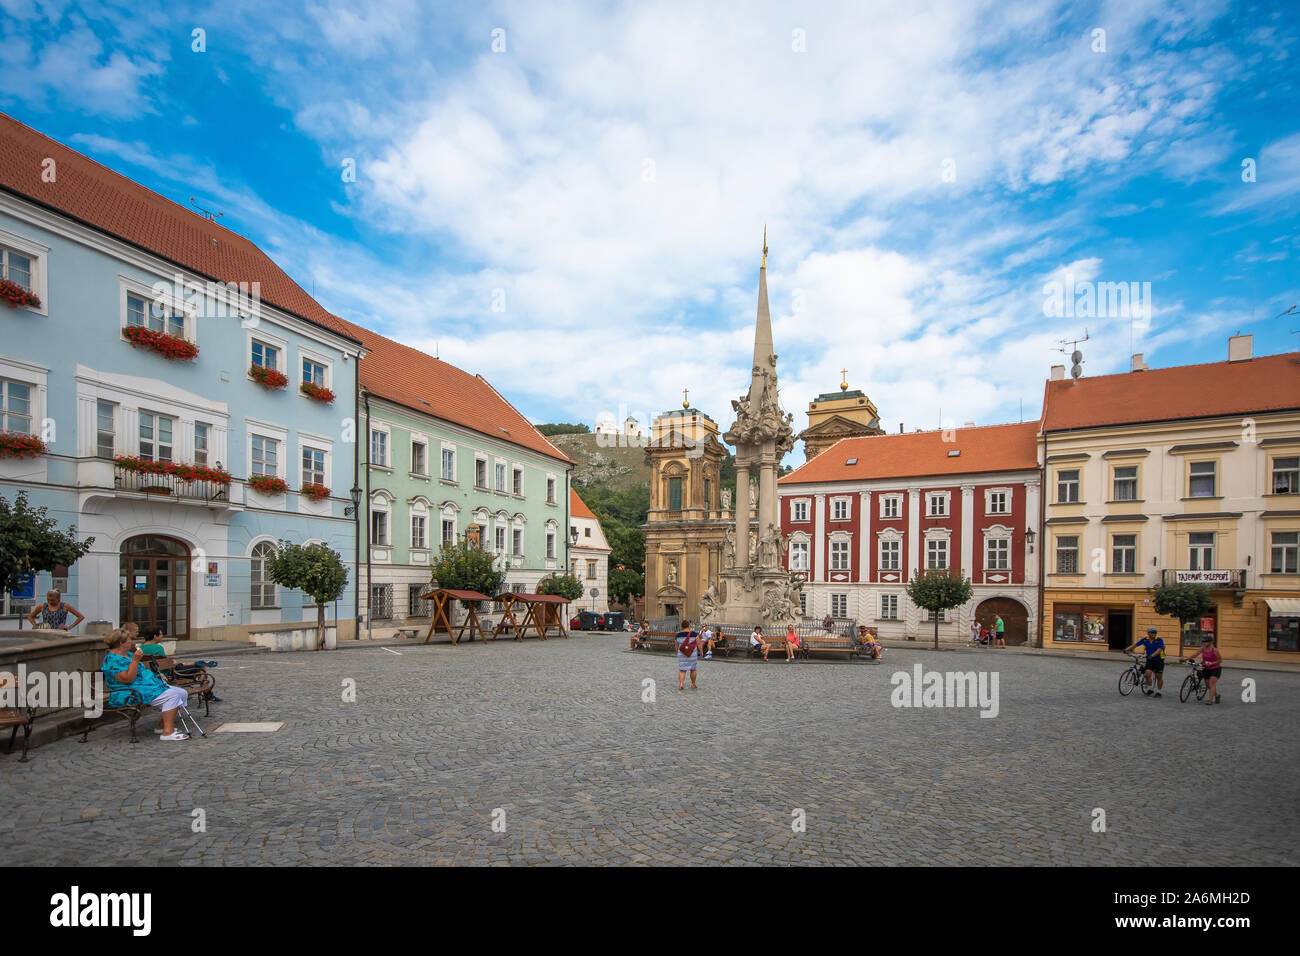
<point x="16" y="717"/>
<point x="777" y="642"/>
<point x="165" y="667"/>
<point x="657" y="639"/>
<point x="131" y="710"/>
<point x="816" y="640"/>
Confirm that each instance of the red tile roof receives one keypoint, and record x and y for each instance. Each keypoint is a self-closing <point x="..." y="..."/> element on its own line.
<point x="1266" y="383"/>
<point x="108" y="201"/>
<point x="418" y="381"/>
<point x="578" y="508"/>
<point x="923" y="454"/>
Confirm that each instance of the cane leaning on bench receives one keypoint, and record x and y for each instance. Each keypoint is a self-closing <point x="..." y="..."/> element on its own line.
<point x="125" y="674"/>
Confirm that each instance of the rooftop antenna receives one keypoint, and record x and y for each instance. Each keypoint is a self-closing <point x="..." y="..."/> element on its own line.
<point x="207" y="214"/>
<point x="1076" y="357"/>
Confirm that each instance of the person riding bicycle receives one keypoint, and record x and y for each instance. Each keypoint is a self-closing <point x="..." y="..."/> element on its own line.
<point x="1154" y="649"/>
<point x="1211" y="667"/>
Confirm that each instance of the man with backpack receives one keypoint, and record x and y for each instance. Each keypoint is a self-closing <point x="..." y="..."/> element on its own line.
<point x="688" y="654"/>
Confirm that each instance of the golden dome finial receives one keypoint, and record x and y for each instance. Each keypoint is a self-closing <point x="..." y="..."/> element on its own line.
<point x="686" y="401"/>
<point x="844" y="384"/>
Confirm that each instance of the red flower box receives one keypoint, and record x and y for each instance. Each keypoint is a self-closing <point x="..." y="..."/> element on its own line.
<point x="315" y="492"/>
<point x="268" y="484"/>
<point x="317" y="393"/>
<point x="20" y="445"/>
<point x="168" y="346"/>
<point x="268" y="378"/>
<point x="184" y="472"/>
<point x="202" y="473"/>
<point x="14" y="295"/>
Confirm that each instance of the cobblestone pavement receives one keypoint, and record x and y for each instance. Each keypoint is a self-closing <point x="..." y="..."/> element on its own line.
<point x="557" y="736"/>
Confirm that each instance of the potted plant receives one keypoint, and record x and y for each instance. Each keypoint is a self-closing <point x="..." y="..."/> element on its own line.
<point x="20" y="445"/>
<point x="169" y="347"/>
<point x="268" y="484"/>
<point x="315" y="492"/>
<point x="268" y="378"/>
<point x="317" y="393"/>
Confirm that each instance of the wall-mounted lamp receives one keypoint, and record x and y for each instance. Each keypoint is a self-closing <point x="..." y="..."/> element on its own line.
<point x="355" y="494"/>
<point x="1030" y="535"/>
<point x="573" y="536"/>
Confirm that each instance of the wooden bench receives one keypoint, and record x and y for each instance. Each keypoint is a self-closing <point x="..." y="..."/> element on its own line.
<point x="656" y="639"/>
<point x="165" y="667"/>
<point x="16" y="717"/>
<point x="776" y="642"/>
<point x="826" y="644"/>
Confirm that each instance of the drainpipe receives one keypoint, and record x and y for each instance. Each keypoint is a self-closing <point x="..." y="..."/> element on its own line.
<point x="369" y="584"/>
<point x="1042" y="547"/>
<point x="356" y="516"/>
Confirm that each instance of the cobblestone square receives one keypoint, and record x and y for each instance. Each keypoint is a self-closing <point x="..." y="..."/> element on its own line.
<point x="554" y="741"/>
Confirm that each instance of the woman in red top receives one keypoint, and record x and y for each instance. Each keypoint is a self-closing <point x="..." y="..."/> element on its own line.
<point x="791" y="642"/>
<point x="1212" y="664"/>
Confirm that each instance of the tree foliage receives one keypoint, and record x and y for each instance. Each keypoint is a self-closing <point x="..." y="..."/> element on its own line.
<point x="565" y="585"/>
<point x="1183" y="601"/>
<point x="938" y="591"/>
<point x="314" y="569"/>
<point x="625" y="585"/>
<point x="563" y="428"/>
<point x="30" y="541"/>
<point x="462" y="566"/>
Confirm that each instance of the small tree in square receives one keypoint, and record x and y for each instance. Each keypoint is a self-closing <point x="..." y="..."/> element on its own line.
<point x="938" y="591"/>
<point x="464" y="566"/>
<point x="1187" y="602"/>
<point x="31" y="541"/>
<point x="565" y="585"/>
<point x="315" y="570"/>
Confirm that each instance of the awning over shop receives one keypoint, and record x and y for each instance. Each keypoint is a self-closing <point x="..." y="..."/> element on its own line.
<point x="1284" y="607"/>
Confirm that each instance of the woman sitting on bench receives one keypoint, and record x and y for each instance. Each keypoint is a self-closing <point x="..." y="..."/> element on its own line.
<point x="123" y="674"/>
<point x="869" y="643"/>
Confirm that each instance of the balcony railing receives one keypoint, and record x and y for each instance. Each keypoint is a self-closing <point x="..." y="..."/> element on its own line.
<point x="1225" y="579"/>
<point x="169" y="486"/>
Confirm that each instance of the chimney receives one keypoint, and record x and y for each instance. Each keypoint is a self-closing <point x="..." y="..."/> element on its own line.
<point x="1239" y="348"/>
<point x="900" y="428"/>
<point x="967" y="424"/>
<point x="1058" y="373"/>
<point x="1138" y="364"/>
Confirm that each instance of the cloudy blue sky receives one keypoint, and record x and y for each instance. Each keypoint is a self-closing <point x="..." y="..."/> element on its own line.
<point x="569" y="198"/>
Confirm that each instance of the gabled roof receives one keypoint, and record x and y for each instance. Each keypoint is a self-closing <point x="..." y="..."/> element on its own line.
<point x="1266" y="383"/>
<point x="418" y="381"/>
<point x="578" y="508"/>
<point x="109" y="202"/>
<point x="924" y="454"/>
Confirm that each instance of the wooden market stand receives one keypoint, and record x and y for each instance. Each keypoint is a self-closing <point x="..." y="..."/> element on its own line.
<point x="441" y="614"/>
<point x="541" y="613"/>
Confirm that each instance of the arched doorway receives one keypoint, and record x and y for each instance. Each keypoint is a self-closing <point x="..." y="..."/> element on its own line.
<point x="154" y="584"/>
<point x="1014" y="617"/>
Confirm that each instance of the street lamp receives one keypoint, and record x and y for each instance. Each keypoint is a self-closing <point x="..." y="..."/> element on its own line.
<point x="355" y="493"/>
<point x="573" y="536"/>
<point x="1029" y="537"/>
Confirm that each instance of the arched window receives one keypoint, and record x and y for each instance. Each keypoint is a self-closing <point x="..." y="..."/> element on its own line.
<point x="263" y="588"/>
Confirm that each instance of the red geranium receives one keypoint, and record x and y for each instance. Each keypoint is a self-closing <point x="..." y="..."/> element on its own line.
<point x="20" y="445"/>
<point x="268" y="378"/>
<point x="217" y="476"/>
<point x="168" y="346"/>
<point x="317" y="393"/>
<point x="315" y="492"/>
<point x="268" y="484"/>
<point x="184" y="472"/>
<point x="14" y="295"/>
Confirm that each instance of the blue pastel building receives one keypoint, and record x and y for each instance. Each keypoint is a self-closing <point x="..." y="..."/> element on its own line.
<point x="166" y="361"/>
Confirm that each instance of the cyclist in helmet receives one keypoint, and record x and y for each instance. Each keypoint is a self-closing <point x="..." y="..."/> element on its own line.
<point x="1154" y="649"/>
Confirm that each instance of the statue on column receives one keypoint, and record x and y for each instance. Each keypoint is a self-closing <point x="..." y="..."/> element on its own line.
<point x="729" y="550"/>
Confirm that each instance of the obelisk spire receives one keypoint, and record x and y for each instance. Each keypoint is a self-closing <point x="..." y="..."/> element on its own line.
<point x="764" y="360"/>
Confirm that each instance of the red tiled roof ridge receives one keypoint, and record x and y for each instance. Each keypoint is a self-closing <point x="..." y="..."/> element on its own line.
<point x="578" y="508"/>
<point x="1174" y="368"/>
<point x="558" y="453"/>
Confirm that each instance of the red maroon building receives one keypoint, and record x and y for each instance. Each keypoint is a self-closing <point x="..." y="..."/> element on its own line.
<point x="866" y="513"/>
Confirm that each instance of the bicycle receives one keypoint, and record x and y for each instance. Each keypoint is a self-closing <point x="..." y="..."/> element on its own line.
<point x="1134" y="676"/>
<point x="1193" y="683"/>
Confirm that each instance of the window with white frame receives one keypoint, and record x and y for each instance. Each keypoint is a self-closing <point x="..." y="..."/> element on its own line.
<point x="481" y="473"/>
<point x="200" y="443"/>
<point x="891" y="506"/>
<point x="262" y="587"/>
<point x="1125" y="483"/>
<point x="156" y="436"/>
<point x="16" y="407"/>
<point x="1067" y="486"/>
<point x="798" y="555"/>
<point x="265" y="456"/>
<point x="997" y="501"/>
<point x="550" y="491"/>
<point x="997" y="554"/>
<point x="591" y="570"/>
<point x="517" y="544"/>
<point x="379" y="447"/>
<point x="799" y="511"/>
<point x="1286" y="476"/>
<point x="265" y="355"/>
<point x="151" y="314"/>
<point x="419" y="457"/>
<point x="500" y="539"/>
<point x="550" y="545"/>
<point x="499" y="472"/>
<point x="449" y="464"/>
<point x="1200" y="551"/>
<point x="1285" y="552"/>
<point x="839" y="509"/>
<point x="1200" y="479"/>
<point x="448" y="531"/>
<point x="936" y="505"/>
<point x="1123" y="551"/>
<point x="106" y="429"/>
<point x="419" y="532"/>
<point x="313" y="373"/>
<point x="517" y="482"/>
<point x="928" y="617"/>
<point x="378" y="527"/>
<point x="839" y="555"/>
<point x="839" y="605"/>
<point x="313" y="466"/>
<point x="891" y="551"/>
<point x="1067" y="554"/>
<point x="803" y="601"/>
<point x="936" y="554"/>
<point x="889" y="607"/>
<point x="18" y="267"/>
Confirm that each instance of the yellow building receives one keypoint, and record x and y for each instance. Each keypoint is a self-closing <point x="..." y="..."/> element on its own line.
<point x="686" y="528"/>
<point x="836" y="415"/>
<point x="1186" y="474"/>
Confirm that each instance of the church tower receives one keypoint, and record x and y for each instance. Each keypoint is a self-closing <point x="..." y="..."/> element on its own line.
<point x="835" y="415"/>
<point x="689" y="516"/>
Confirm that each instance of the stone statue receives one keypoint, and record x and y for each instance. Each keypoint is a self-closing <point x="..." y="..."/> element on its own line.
<point x="672" y="572"/>
<point x="709" y="605"/>
<point x="753" y="493"/>
<point x="729" y="550"/>
<point x="726" y="499"/>
<point x="770" y="550"/>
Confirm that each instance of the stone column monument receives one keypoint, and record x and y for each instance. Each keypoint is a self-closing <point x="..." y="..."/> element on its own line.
<point x="755" y="588"/>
